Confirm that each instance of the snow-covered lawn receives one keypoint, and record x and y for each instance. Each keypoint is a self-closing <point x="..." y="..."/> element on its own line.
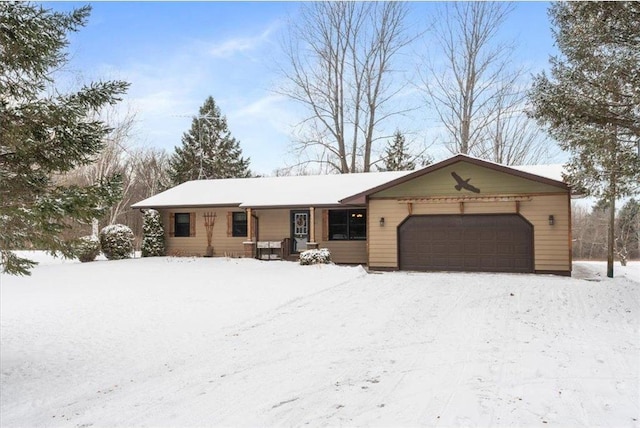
<point x="236" y="342"/>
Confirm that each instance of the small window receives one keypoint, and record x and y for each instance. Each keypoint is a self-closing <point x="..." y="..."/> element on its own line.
<point x="182" y="224"/>
<point x="239" y="224"/>
<point x="347" y="225"/>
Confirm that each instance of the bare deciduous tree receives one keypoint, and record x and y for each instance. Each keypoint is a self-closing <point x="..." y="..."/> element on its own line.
<point x="475" y="92"/>
<point x="144" y="172"/>
<point x="151" y="171"/>
<point x="589" y="232"/>
<point x="512" y="138"/>
<point x="114" y="159"/>
<point x="339" y="64"/>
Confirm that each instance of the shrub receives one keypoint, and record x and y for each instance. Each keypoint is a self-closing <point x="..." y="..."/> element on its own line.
<point x="313" y="257"/>
<point x="116" y="241"/>
<point x="153" y="234"/>
<point x="87" y="248"/>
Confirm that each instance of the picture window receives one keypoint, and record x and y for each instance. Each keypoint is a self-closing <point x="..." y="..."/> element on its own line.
<point x="345" y="225"/>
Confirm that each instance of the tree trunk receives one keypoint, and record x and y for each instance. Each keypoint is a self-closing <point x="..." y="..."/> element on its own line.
<point x="94" y="227"/>
<point x="612" y="203"/>
<point x="611" y="241"/>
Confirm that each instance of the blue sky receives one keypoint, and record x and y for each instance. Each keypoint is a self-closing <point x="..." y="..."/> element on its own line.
<point x="175" y="54"/>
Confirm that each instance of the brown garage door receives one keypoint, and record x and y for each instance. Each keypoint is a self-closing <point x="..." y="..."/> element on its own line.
<point x="476" y="243"/>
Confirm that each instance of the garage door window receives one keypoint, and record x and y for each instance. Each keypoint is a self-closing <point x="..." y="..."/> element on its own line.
<point x="347" y="225"/>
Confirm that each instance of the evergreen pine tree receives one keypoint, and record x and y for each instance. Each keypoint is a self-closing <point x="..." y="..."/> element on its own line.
<point x="44" y="134"/>
<point x="208" y="151"/>
<point x="590" y="102"/>
<point x="153" y="234"/>
<point x="397" y="156"/>
<point x="628" y="231"/>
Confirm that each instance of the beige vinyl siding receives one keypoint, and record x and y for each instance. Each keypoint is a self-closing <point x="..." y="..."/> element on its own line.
<point x="490" y="207"/>
<point x="351" y="252"/>
<point x="489" y="181"/>
<point x="273" y="224"/>
<point x="551" y="243"/>
<point x="383" y="240"/>
<point x="197" y="245"/>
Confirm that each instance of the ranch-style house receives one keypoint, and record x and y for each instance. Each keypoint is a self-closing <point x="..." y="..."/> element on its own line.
<point x="460" y="214"/>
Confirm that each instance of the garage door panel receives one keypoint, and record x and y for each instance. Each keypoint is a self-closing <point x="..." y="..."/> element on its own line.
<point x="455" y="234"/>
<point x="439" y="235"/>
<point x="521" y="263"/>
<point x="455" y="247"/>
<point x="472" y="264"/>
<point x="489" y="243"/>
<point x="486" y="234"/>
<point x="505" y="249"/>
<point x="521" y="249"/>
<point x="487" y="262"/>
<point x="472" y="247"/>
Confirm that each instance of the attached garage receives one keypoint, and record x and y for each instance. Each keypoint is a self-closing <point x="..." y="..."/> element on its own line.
<point x="480" y="243"/>
<point x="467" y="214"/>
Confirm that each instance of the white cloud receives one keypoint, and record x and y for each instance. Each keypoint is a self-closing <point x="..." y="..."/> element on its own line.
<point x="263" y="127"/>
<point x="236" y="45"/>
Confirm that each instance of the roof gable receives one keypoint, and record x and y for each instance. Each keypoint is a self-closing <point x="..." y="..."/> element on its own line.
<point x="462" y="175"/>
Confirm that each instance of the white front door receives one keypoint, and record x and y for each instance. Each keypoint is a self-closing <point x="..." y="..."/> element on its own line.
<point x="299" y="230"/>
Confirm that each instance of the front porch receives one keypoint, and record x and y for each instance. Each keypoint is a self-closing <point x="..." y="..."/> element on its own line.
<point x="270" y="233"/>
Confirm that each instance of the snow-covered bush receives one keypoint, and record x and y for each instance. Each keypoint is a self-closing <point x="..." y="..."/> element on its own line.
<point x="87" y="248"/>
<point x="313" y="257"/>
<point x="116" y="241"/>
<point x="153" y="234"/>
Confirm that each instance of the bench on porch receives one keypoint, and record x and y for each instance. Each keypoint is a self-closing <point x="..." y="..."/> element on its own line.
<point x="272" y="250"/>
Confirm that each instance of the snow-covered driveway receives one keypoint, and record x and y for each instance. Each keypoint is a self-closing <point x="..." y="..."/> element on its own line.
<point x="218" y="342"/>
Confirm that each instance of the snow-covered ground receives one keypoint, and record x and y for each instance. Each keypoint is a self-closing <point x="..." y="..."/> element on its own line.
<point x="236" y="342"/>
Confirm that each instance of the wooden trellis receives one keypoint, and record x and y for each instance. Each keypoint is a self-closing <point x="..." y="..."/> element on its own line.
<point x="209" y="222"/>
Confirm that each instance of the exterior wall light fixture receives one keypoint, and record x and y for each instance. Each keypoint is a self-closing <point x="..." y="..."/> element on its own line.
<point x="552" y="220"/>
<point x="381" y="221"/>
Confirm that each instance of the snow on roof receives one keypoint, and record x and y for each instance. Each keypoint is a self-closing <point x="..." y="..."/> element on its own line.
<point x="295" y="191"/>
<point x="552" y="171"/>
<point x="306" y="190"/>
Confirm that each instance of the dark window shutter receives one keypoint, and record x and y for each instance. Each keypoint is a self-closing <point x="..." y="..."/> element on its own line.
<point x="229" y="224"/>
<point x="192" y="224"/>
<point x="172" y="224"/>
<point x="325" y="225"/>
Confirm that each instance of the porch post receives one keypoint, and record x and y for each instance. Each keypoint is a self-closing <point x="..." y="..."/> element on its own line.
<point x="312" y="244"/>
<point x="249" y="244"/>
<point x="249" y="225"/>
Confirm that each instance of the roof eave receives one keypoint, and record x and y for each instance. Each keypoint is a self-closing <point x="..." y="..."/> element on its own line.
<point x="162" y="206"/>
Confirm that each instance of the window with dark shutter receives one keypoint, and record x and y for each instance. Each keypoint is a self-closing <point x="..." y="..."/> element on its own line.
<point x="239" y="224"/>
<point x="182" y="224"/>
